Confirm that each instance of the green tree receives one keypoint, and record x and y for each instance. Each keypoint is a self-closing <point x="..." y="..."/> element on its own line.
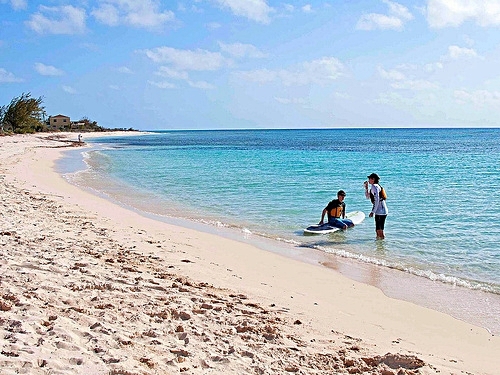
<point x="2" y="111"/>
<point x="24" y="114"/>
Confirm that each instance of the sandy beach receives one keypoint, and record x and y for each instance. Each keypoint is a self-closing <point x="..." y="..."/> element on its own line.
<point x="89" y="287"/>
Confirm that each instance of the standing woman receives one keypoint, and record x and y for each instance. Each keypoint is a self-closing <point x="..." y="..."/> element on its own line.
<point x="379" y="209"/>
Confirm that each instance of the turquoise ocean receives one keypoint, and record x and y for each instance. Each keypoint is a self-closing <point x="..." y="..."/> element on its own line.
<point x="442" y="246"/>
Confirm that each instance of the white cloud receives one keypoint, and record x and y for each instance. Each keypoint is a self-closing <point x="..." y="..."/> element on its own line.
<point x="162" y="84"/>
<point x="374" y="21"/>
<point x="125" y="70"/>
<point x="300" y="101"/>
<point x="192" y="8"/>
<point x="58" y="20"/>
<point x="199" y="60"/>
<point x="414" y="85"/>
<point x="16" y="4"/>
<point x="479" y="98"/>
<point x="389" y="98"/>
<point x="241" y="50"/>
<point x="8" y="77"/>
<point x="341" y="95"/>
<point x="213" y="25"/>
<point x="393" y="75"/>
<point x="398" y="80"/>
<point x="141" y="14"/>
<point x="201" y="85"/>
<point x="307" y="8"/>
<point x="452" y="13"/>
<point x="258" y="76"/>
<point x="255" y="10"/>
<point x="69" y="89"/>
<point x="468" y="40"/>
<point x="432" y="67"/>
<point x="91" y="47"/>
<point x="398" y="15"/>
<point x="165" y="71"/>
<point x="398" y="10"/>
<point x="168" y="85"/>
<point x="107" y="14"/>
<point x="455" y="53"/>
<point x="319" y="72"/>
<point x="48" y="70"/>
<point x="180" y="62"/>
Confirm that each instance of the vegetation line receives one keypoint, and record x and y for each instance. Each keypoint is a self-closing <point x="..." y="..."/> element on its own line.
<point x="25" y="114"/>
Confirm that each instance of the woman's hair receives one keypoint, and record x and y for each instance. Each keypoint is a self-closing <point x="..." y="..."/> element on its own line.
<point x="375" y="177"/>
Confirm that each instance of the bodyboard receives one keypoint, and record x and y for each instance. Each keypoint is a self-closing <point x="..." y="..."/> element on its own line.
<point x="357" y="217"/>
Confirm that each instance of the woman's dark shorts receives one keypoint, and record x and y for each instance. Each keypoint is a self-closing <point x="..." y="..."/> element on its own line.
<point x="380" y="222"/>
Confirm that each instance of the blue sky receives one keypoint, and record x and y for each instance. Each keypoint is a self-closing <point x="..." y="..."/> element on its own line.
<point x="217" y="64"/>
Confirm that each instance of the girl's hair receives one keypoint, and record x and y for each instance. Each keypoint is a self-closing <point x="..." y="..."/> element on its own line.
<point x="375" y="177"/>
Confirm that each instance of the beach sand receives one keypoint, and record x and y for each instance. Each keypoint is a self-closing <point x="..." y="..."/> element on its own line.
<point x="89" y="287"/>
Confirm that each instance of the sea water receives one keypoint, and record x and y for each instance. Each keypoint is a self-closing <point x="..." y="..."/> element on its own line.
<point x="443" y="189"/>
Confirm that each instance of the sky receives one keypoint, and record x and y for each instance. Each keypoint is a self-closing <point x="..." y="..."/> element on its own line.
<point x="232" y="64"/>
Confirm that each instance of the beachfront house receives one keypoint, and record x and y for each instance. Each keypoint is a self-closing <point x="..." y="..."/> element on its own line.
<point x="59" y="122"/>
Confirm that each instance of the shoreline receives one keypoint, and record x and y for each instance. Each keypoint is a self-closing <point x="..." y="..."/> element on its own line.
<point x="257" y="289"/>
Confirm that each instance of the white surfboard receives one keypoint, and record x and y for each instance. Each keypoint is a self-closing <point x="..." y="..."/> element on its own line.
<point x="357" y="217"/>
